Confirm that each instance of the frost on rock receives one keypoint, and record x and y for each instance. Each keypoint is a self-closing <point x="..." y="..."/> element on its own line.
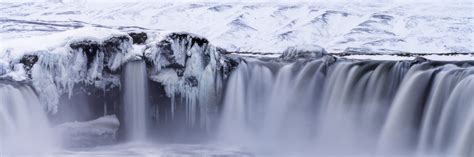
<point x="86" y="62"/>
<point x="55" y="66"/>
<point x="3" y="68"/>
<point x="190" y="69"/>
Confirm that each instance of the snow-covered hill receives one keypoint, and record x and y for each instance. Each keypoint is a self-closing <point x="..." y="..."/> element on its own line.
<point x="265" y="27"/>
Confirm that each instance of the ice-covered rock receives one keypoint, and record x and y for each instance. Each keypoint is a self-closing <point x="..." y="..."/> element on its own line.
<point x="88" y="134"/>
<point x="55" y="63"/>
<point x="189" y="67"/>
<point x="4" y="67"/>
<point x="303" y="51"/>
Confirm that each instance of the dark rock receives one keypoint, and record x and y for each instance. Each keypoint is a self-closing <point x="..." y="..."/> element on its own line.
<point x="91" y="48"/>
<point x="229" y="64"/>
<point x="419" y="59"/>
<point x="28" y="61"/>
<point x="177" y="67"/>
<point x="200" y="41"/>
<point x="163" y="53"/>
<point x="191" y="81"/>
<point x="138" y="38"/>
<point x="112" y="45"/>
<point x="88" y="47"/>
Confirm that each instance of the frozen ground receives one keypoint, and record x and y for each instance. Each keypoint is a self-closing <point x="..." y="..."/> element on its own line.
<point x="265" y="27"/>
<point x="142" y="150"/>
<point x="153" y="150"/>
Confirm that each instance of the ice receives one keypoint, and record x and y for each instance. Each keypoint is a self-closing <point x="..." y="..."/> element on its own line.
<point x="157" y="150"/>
<point x="180" y="61"/>
<point x="65" y="59"/>
<point x="398" y="58"/>
<point x="17" y="73"/>
<point x="92" y="133"/>
<point x="187" y="65"/>
<point x="303" y="51"/>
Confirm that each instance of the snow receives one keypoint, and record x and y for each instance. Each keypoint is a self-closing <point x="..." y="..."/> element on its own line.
<point x="266" y="27"/>
<point x="54" y="42"/>
<point x="396" y="58"/>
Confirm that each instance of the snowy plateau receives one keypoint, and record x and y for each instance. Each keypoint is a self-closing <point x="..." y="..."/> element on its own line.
<point x="265" y="27"/>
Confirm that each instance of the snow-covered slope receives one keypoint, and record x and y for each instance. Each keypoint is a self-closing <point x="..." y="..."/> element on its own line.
<point x="265" y="27"/>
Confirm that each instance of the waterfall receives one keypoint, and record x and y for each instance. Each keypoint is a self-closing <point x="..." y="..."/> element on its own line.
<point x="135" y="100"/>
<point x="433" y="117"/>
<point x="350" y="107"/>
<point x="24" y="127"/>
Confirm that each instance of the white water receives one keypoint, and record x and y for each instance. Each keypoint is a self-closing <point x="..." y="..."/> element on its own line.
<point x="24" y="127"/>
<point x="135" y="100"/>
<point x="350" y="108"/>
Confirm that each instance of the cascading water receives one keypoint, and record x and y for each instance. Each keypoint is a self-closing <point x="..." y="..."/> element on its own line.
<point x="23" y="123"/>
<point x="305" y="103"/>
<point x="438" y="102"/>
<point x="350" y="107"/>
<point x="135" y="100"/>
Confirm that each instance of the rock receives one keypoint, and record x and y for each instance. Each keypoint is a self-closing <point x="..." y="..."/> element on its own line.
<point x="419" y="59"/>
<point x="138" y="38"/>
<point x="116" y="44"/>
<point x="28" y="61"/>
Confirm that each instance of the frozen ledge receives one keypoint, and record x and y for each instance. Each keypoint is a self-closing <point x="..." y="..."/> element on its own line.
<point x="181" y="61"/>
<point x="409" y="56"/>
<point x="374" y="56"/>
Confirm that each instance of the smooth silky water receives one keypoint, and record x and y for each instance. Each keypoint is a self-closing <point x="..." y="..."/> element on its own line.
<point x="318" y="107"/>
<point x="24" y="127"/>
<point x="350" y="108"/>
<point x="135" y="100"/>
